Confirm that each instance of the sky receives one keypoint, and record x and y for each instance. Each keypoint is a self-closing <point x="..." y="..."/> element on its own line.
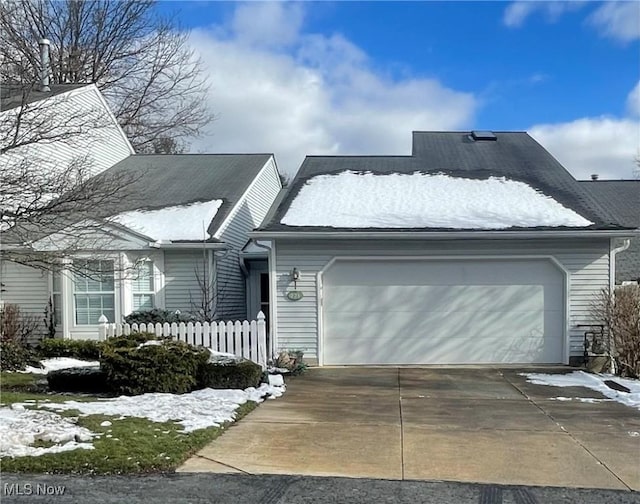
<point x="309" y="78"/>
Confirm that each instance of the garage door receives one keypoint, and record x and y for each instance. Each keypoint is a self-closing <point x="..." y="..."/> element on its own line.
<point x="443" y="312"/>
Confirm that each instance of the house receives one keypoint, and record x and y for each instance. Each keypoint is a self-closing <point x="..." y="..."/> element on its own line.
<point x="623" y="196"/>
<point x="478" y="248"/>
<point x="176" y="247"/>
<point x="167" y="235"/>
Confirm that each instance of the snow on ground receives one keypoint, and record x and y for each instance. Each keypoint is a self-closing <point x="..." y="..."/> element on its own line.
<point x="593" y="382"/>
<point x="418" y="200"/>
<point x="20" y="428"/>
<point x="196" y="410"/>
<point x="184" y="222"/>
<point x="56" y="363"/>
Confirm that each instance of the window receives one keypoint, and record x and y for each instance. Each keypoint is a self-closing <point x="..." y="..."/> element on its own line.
<point x="143" y="287"/>
<point x="93" y="291"/>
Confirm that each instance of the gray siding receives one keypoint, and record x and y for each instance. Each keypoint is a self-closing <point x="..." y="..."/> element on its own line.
<point x="297" y="321"/>
<point x="181" y="291"/>
<point x="247" y="216"/>
<point x="26" y="287"/>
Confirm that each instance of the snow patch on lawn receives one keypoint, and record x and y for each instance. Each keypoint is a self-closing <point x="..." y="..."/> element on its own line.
<point x="365" y="200"/>
<point x="196" y="410"/>
<point x="20" y="428"/>
<point x="183" y="222"/>
<point x="593" y="382"/>
<point x="56" y="363"/>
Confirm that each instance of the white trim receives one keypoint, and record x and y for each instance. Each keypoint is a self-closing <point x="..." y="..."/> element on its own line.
<point x="190" y="245"/>
<point x="112" y="117"/>
<point x="234" y="210"/>
<point x="566" y="274"/>
<point x="420" y="234"/>
<point x="273" y="298"/>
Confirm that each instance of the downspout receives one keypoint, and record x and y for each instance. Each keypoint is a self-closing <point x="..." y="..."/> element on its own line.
<point x="612" y="285"/>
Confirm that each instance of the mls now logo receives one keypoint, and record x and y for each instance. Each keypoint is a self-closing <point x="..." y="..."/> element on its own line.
<point x="30" y="489"/>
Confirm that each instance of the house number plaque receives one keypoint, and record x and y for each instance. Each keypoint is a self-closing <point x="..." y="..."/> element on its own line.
<point x="295" y="295"/>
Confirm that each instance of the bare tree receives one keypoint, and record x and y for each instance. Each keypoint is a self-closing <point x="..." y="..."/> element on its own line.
<point x="52" y="203"/>
<point x="140" y="61"/>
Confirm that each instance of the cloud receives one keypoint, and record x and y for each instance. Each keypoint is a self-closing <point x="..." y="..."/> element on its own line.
<point x="516" y="13"/>
<point x="603" y="145"/>
<point x="633" y="101"/>
<point x="618" y="20"/>
<point x="292" y="93"/>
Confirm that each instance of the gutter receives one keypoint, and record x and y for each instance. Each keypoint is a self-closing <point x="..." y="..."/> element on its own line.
<point x="189" y="246"/>
<point x="442" y="235"/>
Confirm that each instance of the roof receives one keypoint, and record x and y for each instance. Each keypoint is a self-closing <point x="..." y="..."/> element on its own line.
<point x="166" y="180"/>
<point x="514" y="155"/>
<point x="623" y="197"/>
<point x="12" y="96"/>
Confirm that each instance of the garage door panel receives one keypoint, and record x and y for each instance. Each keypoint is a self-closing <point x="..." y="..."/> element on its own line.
<point x="441" y="272"/>
<point x="517" y="319"/>
<point x="437" y="298"/>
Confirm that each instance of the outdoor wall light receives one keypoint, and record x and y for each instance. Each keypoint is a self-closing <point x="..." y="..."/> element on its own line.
<point x="295" y="274"/>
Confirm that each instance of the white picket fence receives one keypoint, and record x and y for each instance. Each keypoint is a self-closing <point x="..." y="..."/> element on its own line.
<point x="244" y="339"/>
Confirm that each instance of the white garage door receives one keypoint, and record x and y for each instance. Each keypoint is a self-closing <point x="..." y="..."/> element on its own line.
<point x="443" y="312"/>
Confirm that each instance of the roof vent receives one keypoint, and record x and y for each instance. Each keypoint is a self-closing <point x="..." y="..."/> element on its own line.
<point x="483" y="136"/>
<point x="594" y="176"/>
<point x="44" y="65"/>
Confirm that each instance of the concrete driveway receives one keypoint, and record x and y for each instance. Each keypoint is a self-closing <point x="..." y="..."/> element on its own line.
<point x="477" y="425"/>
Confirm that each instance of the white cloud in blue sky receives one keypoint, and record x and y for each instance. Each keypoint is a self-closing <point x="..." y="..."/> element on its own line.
<point x="281" y="90"/>
<point x="616" y="20"/>
<point x="516" y="13"/>
<point x="276" y="87"/>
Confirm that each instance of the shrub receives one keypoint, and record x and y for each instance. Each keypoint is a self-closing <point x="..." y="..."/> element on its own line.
<point x="157" y="315"/>
<point x="620" y="314"/>
<point x="17" y="326"/>
<point x="14" y="356"/>
<point x="89" y="380"/>
<point x="229" y="375"/>
<point x="77" y="349"/>
<point x="132" y="340"/>
<point x="167" y="367"/>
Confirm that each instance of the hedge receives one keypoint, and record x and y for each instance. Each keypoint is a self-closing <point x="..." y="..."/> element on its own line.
<point x="14" y="356"/>
<point x="231" y="375"/>
<point x="77" y="349"/>
<point x="169" y="367"/>
<point x="89" y="380"/>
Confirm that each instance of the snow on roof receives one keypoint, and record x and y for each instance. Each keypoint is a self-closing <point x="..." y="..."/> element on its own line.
<point x="183" y="222"/>
<point x="418" y="200"/>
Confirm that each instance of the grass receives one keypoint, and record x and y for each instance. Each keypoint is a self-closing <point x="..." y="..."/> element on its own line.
<point x="131" y="445"/>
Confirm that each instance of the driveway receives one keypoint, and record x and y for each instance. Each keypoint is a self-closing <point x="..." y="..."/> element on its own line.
<point x="478" y="425"/>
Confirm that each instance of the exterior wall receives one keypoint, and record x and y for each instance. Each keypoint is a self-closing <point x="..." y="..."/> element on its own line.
<point x="181" y="272"/>
<point x="247" y="215"/>
<point x="297" y="321"/>
<point x="89" y="133"/>
<point x="26" y="287"/>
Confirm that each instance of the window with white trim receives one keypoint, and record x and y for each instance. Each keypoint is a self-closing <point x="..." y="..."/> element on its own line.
<point x="143" y="286"/>
<point x="93" y="291"/>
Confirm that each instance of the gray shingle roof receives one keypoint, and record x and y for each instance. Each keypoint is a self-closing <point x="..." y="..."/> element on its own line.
<point x="623" y="198"/>
<point x="13" y="96"/>
<point x="168" y="180"/>
<point x="514" y="155"/>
